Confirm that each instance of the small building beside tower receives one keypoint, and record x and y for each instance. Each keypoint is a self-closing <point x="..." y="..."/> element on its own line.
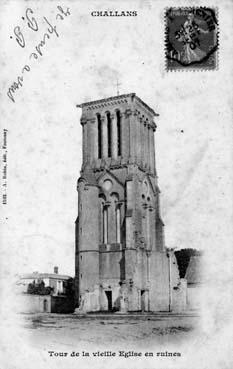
<point x="46" y="293"/>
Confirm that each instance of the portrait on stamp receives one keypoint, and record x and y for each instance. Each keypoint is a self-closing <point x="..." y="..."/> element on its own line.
<point x="191" y="40"/>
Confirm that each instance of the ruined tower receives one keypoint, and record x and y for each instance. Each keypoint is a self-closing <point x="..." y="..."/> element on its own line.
<point x="121" y="259"/>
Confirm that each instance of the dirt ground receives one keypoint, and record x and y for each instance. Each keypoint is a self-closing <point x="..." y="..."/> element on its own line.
<point x="109" y="329"/>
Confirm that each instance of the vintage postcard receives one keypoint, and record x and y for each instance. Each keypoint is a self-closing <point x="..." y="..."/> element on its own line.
<point x="116" y="184"/>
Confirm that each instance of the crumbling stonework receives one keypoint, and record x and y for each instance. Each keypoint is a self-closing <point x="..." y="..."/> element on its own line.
<point x="122" y="263"/>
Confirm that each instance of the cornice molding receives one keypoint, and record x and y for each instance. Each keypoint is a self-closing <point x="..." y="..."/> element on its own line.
<point x="121" y="99"/>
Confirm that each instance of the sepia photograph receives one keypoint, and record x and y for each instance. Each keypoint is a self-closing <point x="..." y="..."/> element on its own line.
<point x="116" y="184"/>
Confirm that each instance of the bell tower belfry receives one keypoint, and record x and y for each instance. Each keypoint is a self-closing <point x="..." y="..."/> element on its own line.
<point x="121" y="259"/>
<point x="118" y="131"/>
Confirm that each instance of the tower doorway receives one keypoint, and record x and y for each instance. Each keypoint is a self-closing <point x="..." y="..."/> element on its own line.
<point x="45" y="306"/>
<point x="143" y="300"/>
<point x="109" y="297"/>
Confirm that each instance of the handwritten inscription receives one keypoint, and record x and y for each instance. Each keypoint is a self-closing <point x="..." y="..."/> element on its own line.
<point x="37" y="52"/>
<point x="4" y="167"/>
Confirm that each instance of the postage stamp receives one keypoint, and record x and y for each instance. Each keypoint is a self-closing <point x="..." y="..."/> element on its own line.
<point x="191" y="40"/>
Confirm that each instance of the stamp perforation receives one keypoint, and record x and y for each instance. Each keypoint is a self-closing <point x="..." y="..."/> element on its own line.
<point x="196" y="38"/>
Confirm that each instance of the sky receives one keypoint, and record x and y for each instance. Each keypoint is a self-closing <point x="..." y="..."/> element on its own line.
<point x="82" y="63"/>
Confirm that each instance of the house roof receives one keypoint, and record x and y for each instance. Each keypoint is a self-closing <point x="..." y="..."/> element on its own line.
<point x="37" y="275"/>
<point x="193" y="272"/>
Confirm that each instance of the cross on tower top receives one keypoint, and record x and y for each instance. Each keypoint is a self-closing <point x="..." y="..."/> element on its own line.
<point x="117" y="86"/>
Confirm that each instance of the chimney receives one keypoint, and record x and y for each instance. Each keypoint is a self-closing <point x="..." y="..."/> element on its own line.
<point x="55" y="270"/>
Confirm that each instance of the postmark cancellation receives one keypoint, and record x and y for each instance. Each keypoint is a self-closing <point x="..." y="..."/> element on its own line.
<point x="191" y="38"/>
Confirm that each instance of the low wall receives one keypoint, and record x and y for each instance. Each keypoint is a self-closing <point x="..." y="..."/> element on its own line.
<point x="193" y="296"/>
<point x="46" y="304"/>
<point x="179" y="296"/>
<point x="35" y="303"/>
<point x="62" y="304"/>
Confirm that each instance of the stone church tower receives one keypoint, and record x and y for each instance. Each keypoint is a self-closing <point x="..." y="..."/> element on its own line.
<point x="121" y="259"/>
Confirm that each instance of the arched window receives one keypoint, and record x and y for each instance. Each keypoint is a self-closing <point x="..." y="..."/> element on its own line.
<point x="114" y="219"/>
<point x="109" y="130"/>
<point x="102" y="225"/>
<point x="99" y="136"/>
<point x="118" y="224"/>
<point x="105" y="224"/>
<point x="118" y="115"/>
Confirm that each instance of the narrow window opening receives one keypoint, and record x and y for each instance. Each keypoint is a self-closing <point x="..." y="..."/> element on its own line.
<point x="109" y="128"/>
<point x="99" y="136"/>
<point x="118" y="225"/>
<point x="118" y="133"/>
<point x="105" y="225"/>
